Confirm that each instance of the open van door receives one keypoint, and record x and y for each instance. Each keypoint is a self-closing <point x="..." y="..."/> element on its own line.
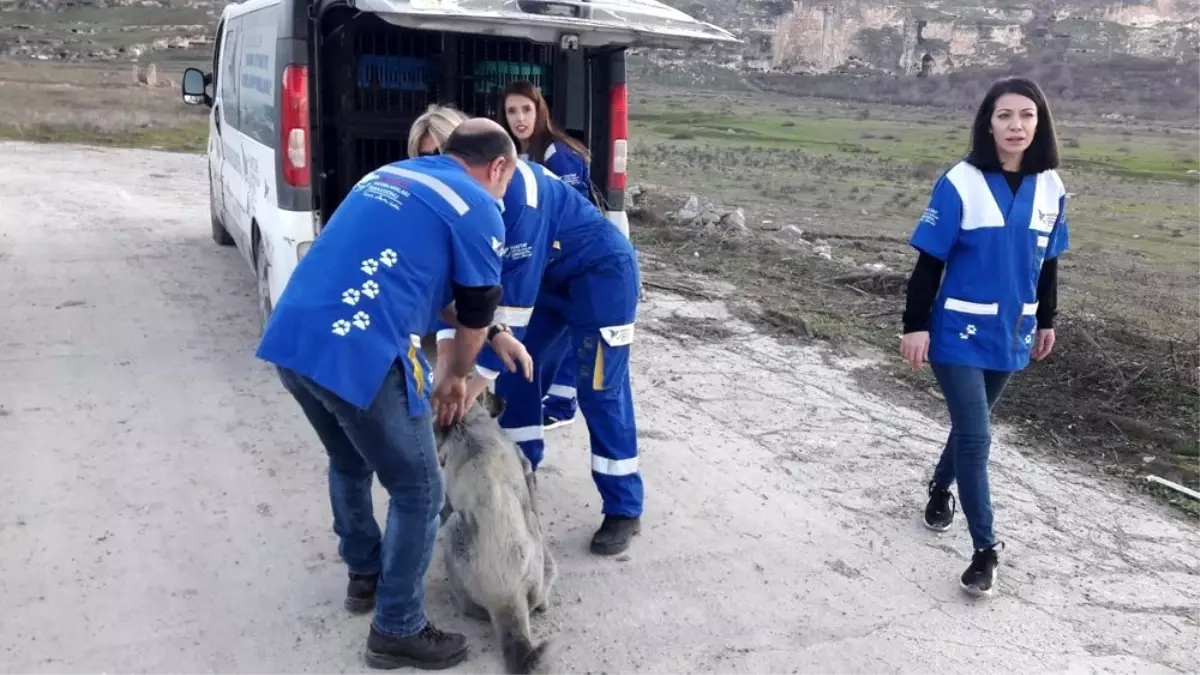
<point x="571" y="23"/>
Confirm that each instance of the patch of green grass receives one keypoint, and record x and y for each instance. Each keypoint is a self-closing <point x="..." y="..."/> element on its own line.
<point x="191" y="137"/>
<point x="1150" y="157"/>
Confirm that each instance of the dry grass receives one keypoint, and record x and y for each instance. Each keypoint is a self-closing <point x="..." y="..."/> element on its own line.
<point x="47" y="102"/>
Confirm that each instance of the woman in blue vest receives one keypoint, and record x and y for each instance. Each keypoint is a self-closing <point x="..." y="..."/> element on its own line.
<point x="995" y="225"/>
<point x="527" y="118"/>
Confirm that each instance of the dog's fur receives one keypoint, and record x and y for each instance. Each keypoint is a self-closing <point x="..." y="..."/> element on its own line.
<point x="496" y="556"/>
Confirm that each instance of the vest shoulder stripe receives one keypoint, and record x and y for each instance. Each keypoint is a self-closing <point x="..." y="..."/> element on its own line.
<point x="530" y="181"/>
<point x="979" y="205"/>
<point x="439" y="187"/>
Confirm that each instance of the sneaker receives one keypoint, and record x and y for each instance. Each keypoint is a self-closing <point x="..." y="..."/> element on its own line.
<point x="551" y="422"/>
<point x="360" y="593"/>
<point x="980" y="577"/>
<point x="939" y="511"/>
<point x="614" y="534"/>
<point x="430" y="649"/>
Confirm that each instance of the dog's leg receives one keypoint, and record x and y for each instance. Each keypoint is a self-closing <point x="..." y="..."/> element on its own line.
<point x="540" y="595"/>
<point x="455" y="548"/>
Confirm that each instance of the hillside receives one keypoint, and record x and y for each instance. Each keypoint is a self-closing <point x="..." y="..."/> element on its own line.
<point x="1089" y="50"/>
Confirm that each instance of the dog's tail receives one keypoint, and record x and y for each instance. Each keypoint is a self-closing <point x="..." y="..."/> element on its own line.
<point x="511" y="624"/>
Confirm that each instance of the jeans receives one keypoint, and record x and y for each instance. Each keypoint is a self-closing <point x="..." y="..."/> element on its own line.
<point x="400" y="449"/>
<point x="971" y="394"/>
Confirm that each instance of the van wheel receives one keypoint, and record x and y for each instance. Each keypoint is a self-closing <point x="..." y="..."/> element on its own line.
<point x="262" y="268"/>
<point x="219" y="234"/>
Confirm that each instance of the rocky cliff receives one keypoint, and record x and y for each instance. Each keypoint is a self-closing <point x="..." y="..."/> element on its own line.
<point x="938" y="36"/>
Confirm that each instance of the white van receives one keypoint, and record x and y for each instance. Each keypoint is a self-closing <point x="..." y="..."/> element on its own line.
<point x="308" y="96"/>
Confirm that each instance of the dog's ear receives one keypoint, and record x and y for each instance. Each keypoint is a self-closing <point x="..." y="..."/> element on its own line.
<point x="493" y="403"/>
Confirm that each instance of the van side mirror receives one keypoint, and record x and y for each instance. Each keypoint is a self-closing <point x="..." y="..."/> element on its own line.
<point x="194" y="87"/>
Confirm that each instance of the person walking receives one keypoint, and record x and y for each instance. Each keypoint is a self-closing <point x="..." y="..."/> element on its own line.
<point x="527" y="118"/>
<point x="410" y="237"/>
<point x="995" y="225"/>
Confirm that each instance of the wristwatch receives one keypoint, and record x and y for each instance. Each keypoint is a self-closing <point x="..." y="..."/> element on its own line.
<point x="497" y="329"/>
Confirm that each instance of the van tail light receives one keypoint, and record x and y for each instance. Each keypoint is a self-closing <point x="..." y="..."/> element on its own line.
<point x="619" y="133"/>
<point x="294" y="131"/>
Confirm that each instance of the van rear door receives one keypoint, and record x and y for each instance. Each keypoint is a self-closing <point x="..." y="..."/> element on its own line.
<point x="640" y="23"/>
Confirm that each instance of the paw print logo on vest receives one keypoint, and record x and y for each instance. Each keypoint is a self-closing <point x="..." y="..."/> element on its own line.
<point x="370" y="266"/>
<point x="361" y="320"/>
<point x="1029" y="339"/>
<point x="341" y="327"/>
<point x="350" y="296"/>
<point x="370" y="288"/>
<point x="388" y="257"/>
<point x="971" y="330"/>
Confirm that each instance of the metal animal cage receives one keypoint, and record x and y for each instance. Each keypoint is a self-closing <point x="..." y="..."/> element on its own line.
<point x="381" y="77"/>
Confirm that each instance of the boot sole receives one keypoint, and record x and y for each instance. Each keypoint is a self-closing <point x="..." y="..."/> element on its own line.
<point x="391" y="662"/>
<point x="936" y="528"/>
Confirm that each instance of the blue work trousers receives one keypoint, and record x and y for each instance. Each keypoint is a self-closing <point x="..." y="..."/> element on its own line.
<point x="384" y="440"/>
<point x="593" y="312"/>
<point x="971" y="393"/>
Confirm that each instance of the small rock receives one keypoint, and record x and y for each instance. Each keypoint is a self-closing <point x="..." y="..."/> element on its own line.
<point x="690" y="210"/>
<point x="820" y="242"/>
<point x="823" y="250"/>
<point x="734" y="220"/>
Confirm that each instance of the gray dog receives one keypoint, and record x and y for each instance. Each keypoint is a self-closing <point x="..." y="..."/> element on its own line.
<point x="496" y="556"/>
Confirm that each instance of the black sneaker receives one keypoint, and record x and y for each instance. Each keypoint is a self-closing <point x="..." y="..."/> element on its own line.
<point x="360" y="593"/>
<point x="430" y="649"/>
<point x="939" y="511"/>
<point x="980" y="577"/>
<point x="614" y="534"/>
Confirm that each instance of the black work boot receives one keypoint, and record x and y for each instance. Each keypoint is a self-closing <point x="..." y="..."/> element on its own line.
<point x="939" y="510"/>
<point x="360" y="593"/>
<point x="980" y="577"/>
<point x="614" y="534"/>
<point x="430" y="649"/>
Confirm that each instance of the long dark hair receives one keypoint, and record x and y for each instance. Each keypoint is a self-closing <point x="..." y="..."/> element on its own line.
<point x="544" y="130"/>
<point x="1042" y="153"/>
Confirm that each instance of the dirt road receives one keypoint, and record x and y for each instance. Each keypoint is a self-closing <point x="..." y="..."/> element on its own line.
<point x="163" y="505"/>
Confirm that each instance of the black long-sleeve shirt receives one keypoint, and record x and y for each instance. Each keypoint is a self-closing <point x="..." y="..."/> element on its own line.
<point x="926" y="279"/>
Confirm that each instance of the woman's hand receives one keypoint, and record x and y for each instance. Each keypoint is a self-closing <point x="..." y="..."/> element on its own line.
<point x="914" y="347"/>
<point x="513" y="354"/>
<point x="1044" y="343"/>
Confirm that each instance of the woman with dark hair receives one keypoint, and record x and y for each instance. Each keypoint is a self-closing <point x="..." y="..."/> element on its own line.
<point x="527" y="118"/>
<point x="996" y="224"/>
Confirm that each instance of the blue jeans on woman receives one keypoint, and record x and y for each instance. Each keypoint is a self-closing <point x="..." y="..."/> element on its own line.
<point x="386" y="441"/>
<point x="971" y="394"/>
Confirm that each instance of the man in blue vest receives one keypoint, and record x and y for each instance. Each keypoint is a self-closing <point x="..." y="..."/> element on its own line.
<point x="407" y="240"/>
<point x="563" y="256"/>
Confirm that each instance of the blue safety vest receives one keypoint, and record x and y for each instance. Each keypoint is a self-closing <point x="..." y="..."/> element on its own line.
<point x="993" y="244"/>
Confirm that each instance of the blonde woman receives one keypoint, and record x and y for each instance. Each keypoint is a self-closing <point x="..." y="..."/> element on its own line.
<point x="432" y="128"/>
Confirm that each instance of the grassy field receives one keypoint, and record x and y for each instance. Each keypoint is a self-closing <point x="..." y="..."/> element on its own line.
<point x="1120" y="392"/>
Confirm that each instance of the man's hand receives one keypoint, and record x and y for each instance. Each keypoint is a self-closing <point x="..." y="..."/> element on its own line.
<point x="1044" y="344"/>
<point x="914" y="347"/>
<point x="449" y="398"/>
<point x="513" y="353"/>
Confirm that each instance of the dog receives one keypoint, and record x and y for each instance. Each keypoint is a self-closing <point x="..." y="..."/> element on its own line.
<point x="499" y="566"/>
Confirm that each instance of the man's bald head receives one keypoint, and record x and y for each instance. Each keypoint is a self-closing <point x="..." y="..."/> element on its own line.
<point x="478" y="141"/>
<point x="487" y="152"/>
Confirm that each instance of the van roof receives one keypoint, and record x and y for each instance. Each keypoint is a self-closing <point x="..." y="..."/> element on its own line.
<point x="595" y="23"/>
